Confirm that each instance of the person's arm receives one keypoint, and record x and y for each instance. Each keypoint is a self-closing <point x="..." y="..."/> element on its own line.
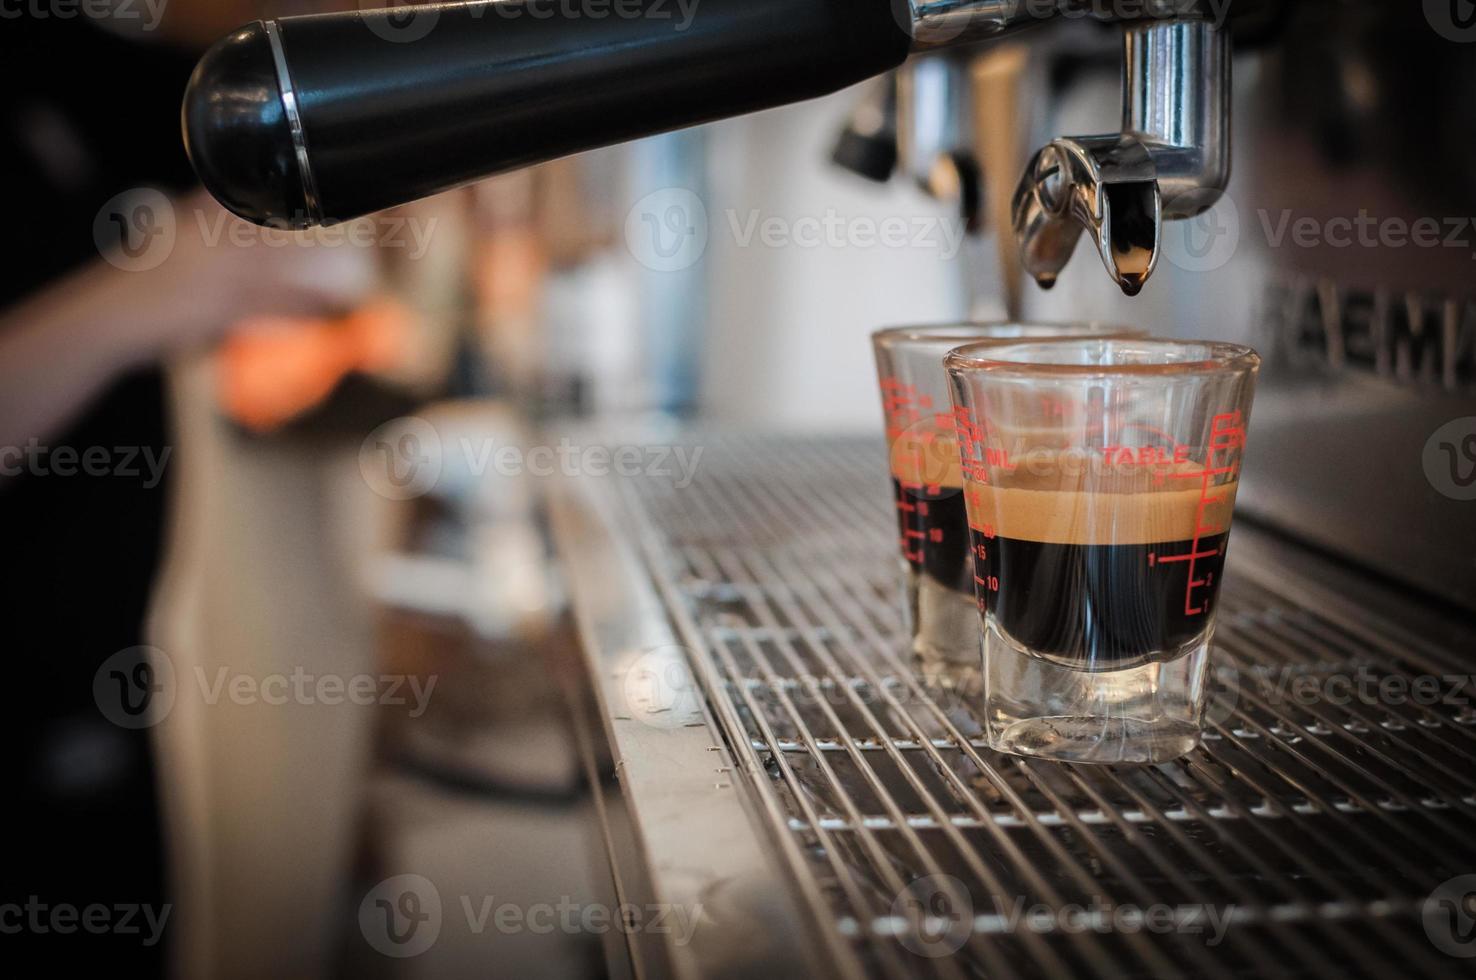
<point x="62" y="346"/>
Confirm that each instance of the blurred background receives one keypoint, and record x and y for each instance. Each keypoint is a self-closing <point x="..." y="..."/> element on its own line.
<point x="232" y="536"/>
<point x="264" y="663"/>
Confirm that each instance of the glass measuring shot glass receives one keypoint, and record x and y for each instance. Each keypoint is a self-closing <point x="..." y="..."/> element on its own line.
<point x="1100" y="476"/>
<point x="927" y="484"/>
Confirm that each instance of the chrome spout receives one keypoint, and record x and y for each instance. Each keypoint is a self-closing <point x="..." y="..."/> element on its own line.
<point x="1171" y="160"/>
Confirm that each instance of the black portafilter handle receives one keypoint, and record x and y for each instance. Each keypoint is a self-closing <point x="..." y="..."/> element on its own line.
<point x="310" y="120"/>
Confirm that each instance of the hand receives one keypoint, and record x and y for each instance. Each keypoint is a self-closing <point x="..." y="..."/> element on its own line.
<point x="223" y="270"/>
<point x="63" y="344"/>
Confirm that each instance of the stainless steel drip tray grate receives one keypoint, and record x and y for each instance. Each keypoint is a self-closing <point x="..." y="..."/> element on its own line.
<point x="1304" y="837"/>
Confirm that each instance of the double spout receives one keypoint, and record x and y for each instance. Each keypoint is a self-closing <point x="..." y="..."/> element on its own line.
<point x="1171" y="161"/>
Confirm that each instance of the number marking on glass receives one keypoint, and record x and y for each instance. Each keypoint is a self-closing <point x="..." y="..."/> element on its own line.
<point x="921" y="443"/>
<point x="1227" y="436"/>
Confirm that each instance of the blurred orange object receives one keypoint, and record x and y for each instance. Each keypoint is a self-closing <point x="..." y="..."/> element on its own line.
<point x="272" y="369"/>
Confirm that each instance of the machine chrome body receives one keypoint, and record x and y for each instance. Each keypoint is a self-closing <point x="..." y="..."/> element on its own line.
<point x="939" y="23"/>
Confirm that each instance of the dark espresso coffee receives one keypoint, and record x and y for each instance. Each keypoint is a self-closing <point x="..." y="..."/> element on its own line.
<point x="932" y="520"/>
<point x="933" y="525"/>
<point x="1101" y="581"/>
<point x="933" y="537"/>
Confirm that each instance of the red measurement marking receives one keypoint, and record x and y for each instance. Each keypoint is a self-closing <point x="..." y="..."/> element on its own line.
<point x="974" y="470"/>
<point x="985" y="529"/>
<point x="1144" y="455"/>
<point x="900" y="405"/>
<point x="964" y="424"/>
<point x="1165" y="559"/>
<point x="1226" y="432"/>
<point x="1196" y="474"/>
<point x="1226" y="436"/>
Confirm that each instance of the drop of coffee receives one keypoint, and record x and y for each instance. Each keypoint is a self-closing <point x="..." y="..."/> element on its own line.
<point x="1134" y="233"/>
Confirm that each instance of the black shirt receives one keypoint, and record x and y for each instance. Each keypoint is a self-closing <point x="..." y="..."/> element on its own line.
<point x="85" y="115"/>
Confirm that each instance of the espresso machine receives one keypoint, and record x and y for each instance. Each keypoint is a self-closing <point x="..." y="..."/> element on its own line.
<point x="401" y="104"/>
<point x="1291" y="174"/>
<point x="314" y="119"/>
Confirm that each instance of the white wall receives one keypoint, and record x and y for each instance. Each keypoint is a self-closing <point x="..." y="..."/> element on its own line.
<point x="788" y="344"/>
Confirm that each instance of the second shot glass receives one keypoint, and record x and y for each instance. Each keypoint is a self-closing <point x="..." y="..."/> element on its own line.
<point x="927" y="485"/>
